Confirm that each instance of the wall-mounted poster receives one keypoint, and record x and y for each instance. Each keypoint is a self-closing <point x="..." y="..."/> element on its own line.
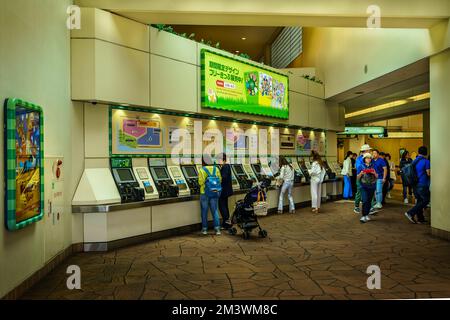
<point x="310" y="140"/>
<point x="24" y="194"/>
<point x="135" y="132"/>
<point x="234" y="85"/>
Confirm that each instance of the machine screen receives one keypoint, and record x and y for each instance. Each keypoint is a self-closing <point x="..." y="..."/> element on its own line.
<point x="125" y="175"/>
<point x="257" y="168"/>
<point x="142" y="174"/>
<point x="190" y="172"/>
<point x="239" y="170"/>
<point x="161" y="173"/>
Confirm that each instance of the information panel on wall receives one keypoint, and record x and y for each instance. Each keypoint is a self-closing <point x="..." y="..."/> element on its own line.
<point x="310" y="141"/>
<point x="24" y="200"/>
<point x="135" y="132"/>
<point x="233" y="85"/>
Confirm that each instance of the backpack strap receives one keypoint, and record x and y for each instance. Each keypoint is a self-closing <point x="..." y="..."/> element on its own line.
<point x="214" y="171"/>
<point x="207" y="171"/>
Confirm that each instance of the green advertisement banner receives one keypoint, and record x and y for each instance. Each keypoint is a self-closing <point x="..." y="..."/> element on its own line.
<point x="233" y="85"/>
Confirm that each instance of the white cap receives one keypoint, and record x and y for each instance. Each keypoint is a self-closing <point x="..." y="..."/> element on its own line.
<point x="367" y="155"/>
<point x="365" y="147"/>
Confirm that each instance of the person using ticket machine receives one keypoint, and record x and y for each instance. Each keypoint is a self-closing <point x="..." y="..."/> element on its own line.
<point x="227" y="190"/>
<point x="209" y="193"/>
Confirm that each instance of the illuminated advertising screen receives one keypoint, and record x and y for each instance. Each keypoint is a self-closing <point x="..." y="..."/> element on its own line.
<point x="234" y="85"/>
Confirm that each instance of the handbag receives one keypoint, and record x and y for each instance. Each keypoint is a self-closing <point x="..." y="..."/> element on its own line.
<point x="260" y="207"/>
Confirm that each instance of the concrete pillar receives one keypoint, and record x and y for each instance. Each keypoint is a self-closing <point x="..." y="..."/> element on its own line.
<point x="426" y="129"/>
<point x="439" y="143"/>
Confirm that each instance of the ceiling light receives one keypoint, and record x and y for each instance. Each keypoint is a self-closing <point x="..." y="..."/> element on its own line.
<point x="237" y="51"/>
<point x="388" y="105"/>
<point x="244" y="38"/>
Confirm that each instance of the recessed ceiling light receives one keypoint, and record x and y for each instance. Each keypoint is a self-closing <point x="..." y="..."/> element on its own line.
<point x="237" y="51"/>
<point x="244" y="38"/>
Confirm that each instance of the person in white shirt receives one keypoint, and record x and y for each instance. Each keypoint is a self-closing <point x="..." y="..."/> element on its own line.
<point x="347" y="174"/>
<point x="317" y="173"/>
<point x="286" y="177"/>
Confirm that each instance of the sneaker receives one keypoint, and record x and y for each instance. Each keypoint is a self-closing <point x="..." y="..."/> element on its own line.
<point x="373" y="211"/>
<point x="389" y="195"/>
<point x="406" y="201"/>
<point x="357" y="210"/>
<point x="204" y="232"/>
<point x="363" y="219"/>
<point x="378" y="206"/>
<point x="218" y="233"/>
<point x="367" y="218"/>
<point x="410" y="218"/>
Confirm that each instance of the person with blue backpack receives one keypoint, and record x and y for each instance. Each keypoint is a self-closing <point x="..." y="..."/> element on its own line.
<point x="417" y="175"/>
<point x="209" y="179"/>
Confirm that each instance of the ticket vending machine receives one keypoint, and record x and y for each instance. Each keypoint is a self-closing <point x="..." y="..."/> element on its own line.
<point x="298" y="175"/>
<point x="249" y="171"/>
<point x="304" y="168"/>
<point x="127" y="184"/>
<point x="263" y="171"/>
<point x="164" y="184"/>
<point x="145" y="181"/>
<point x="330" y="172"/>
<point x="336" y="168"/>
<point x="241" y="176"/>
<point x="177" y="176"/>
<point x="191" y="175"/>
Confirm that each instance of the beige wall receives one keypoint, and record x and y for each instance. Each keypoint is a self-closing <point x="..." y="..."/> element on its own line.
<point x="393" y="146"/>
<point x="440" y="137"/>
<point x="35" y="66"/>
<point x="340" y="63"/>
<point x="109" y="68"/>
<point x="409" y="123"/>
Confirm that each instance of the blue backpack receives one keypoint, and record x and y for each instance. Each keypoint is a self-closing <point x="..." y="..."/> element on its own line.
<point x="213" y="187"/>
<point x="409" y="173"/>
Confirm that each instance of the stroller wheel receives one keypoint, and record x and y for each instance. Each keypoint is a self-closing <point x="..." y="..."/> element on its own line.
<point x="246" y="235"/>
<point x="262" y="233"/>
<point x="232" y="231"/>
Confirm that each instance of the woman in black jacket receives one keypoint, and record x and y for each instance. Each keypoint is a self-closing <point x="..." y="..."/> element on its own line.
<point x="405" y="160"/>
<point x="227" y="191"/>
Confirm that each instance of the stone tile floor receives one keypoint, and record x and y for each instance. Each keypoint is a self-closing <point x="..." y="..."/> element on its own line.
<point x="306" y="256"/>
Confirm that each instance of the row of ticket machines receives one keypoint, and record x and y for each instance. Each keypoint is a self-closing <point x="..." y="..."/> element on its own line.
<point x="161" y="180"/>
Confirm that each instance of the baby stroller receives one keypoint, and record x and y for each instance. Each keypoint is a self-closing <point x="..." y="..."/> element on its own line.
<point x="244" y="213"/>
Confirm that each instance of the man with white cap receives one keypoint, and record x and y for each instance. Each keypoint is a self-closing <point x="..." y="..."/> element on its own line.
<point x="359" y="163"/>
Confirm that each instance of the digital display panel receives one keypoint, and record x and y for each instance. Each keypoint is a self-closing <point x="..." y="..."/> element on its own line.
<point x="234" y="85"/>
<point x="125" y="175"/>
<point x="190" y="172"/>
<point x="156" y="162"/>
<point x="161" y="173"/>
<point x="142" y="174"/>
<point x="239" y="170"/>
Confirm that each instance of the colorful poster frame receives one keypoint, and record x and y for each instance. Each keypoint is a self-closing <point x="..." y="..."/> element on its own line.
<point x="12" y="162"/>
<point x="238" y="86"/>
